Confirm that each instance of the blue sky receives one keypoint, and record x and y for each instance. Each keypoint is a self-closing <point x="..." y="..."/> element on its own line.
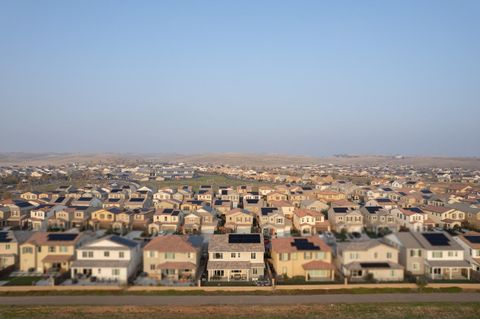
<point x="297" y="77"/>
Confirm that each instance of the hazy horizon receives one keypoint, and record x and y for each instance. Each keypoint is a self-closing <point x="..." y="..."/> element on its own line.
<point x="308" y="78"/>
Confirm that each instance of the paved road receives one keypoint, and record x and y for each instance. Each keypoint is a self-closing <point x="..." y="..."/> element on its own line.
<point x="239" y="300"/>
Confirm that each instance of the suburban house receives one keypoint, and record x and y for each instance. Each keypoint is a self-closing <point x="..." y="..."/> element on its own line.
<point x="39" y="216"/>
<point x="172" y="257"/>
<point x="379" y="219"/>
<point x="239" y="220"/>
<point x="9" y="247"/>
<point x="434" y="254"/>
<point x="208" y="219"/>
<point x="471" y="211"/>
<point x="285" y="206"/>
<point x="192" y="223"/>
<point x="142" y="218"/>
<point x="19" y="211"/>
<point x="111" y="258"/>
<point x="49" y="252"/>
<point x="306" y="257"/>
<point x="314" y="204"/>
<point x="344" y="218"/>
<point x="413" y="218"/>
<point x="470" y="242"/>
<point x="166" y="220"/>
<point x="329" y="196"/>
<point x="309" y="222"/>
<point x="235" y="257"/>
<point x="276" y="196"/>
<point x="369" y="260"/>
<point x="272" y="221"/>
<point x="104" y="218"/>
<point x="445" y="216"/>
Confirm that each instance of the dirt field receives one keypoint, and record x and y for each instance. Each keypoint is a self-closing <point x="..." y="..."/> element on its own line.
<point x="354" y="311"/>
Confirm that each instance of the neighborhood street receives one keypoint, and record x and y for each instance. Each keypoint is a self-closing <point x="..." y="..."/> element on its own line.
<point x="239" y="300"/>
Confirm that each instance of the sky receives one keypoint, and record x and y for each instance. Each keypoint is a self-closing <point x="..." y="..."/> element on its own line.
<point x="292" y="77"/>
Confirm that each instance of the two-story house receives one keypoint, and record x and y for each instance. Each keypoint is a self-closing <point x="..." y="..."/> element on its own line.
<point x="306" y="257"/>
<point x="172" y="257"/>
<point x="239" y="220"/>
<point x="166" y="220"/>
<point x="369" y="259"/>
<point x="345" y="218"/>
<point x="112" y="258"/>
<point x="273" y="222"/>
<point x="309" y="222"/>
<point x="434" y="254"/>
<point x="236" y="257"/>
<point x="49" y="252"/>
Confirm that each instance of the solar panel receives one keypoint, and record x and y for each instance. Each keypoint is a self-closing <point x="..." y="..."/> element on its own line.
<point x="4" y="237"/>
<point x="373" y="209"/>
<point x="437" y="239"/>
<point x="244" y="239"/>
<point x="374" y="265"/>
<point x="473" y="239"/>
<point x="61" y="237"/>
<point x="304" y="244"/>
<point x="340" y="209"/>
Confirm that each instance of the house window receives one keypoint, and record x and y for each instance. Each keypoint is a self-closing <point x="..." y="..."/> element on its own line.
<point x="389" y="255"/>
<point x="169" y="255"/>
<point x="121" y="254"/>
<point x="284" y="256"/>
<point x="218" y="256"/>
<point x="152" y="267"/>
<point x="254" y="271"/>
<point x="90" y="254"/>
<point x="151" y="254"/>
<point x="7" y="247"/>
<point x="51" y="249"/>
<point x="357" y="273"/>
<point x="233" y="255"/>
<point x="84" y="254"/>
<point x="218" y="273"/>
<point x="253" y="256"/>
<point x="437" y="254"/>
<point x="27" y="250"/>
<point x="189" y="255"/>
<point x="106" y="254"/>
<point x="415" y="266"/>
<point x="63" y="249"/>
<point x="115" y="272"/>
<point x="307" y="255"/>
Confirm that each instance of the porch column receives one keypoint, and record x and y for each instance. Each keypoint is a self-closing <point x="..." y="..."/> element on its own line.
<point x="468" y="273"/>
<point x="450" y="270"/>
<point x="332" y="274"/>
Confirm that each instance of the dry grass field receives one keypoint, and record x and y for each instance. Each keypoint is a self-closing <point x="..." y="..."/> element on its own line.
<point x="352" y="311"/>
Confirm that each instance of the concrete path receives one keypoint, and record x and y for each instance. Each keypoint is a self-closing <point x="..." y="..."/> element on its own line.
<point x="240" y="299"/>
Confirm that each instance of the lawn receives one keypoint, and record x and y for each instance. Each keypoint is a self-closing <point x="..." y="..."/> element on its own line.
<point x="22" y="281"/>
<point x="347" y="311"/>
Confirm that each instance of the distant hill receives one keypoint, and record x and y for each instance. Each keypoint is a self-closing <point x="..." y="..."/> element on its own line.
<point x="250" y="160"/>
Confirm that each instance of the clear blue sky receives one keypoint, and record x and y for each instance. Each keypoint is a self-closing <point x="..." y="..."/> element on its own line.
<point x="298" y="77"/>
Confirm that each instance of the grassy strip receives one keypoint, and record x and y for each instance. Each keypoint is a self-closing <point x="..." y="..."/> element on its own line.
<point x="223" y="293"/>
<point x="347" y="311"/>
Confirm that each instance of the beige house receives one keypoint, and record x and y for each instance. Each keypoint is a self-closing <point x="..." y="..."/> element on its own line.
<point x="435" y="254"/>
<point x="309" y="222"/>
<point x="285" y="206"/>
<point x="49" y="252"/>
<point x="344" y="218"/>
<point x="379" y="219"/>
<point x="208" y="219"/>
<point x="236" y="257"/>
<point x="447" y="217"/>
<point x="239" y="221"/>
<point x="166" y="220"/>
<point x="360" y="260"/>
<point x="307" y="257"/>
<point x="9" y="247"/>
<point x="413" y="218"/>
<point x="172" y="257"/>
<point x="273" y="222"/>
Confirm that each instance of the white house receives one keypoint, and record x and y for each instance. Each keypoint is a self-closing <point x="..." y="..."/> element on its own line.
<point x="110" y="258"/>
